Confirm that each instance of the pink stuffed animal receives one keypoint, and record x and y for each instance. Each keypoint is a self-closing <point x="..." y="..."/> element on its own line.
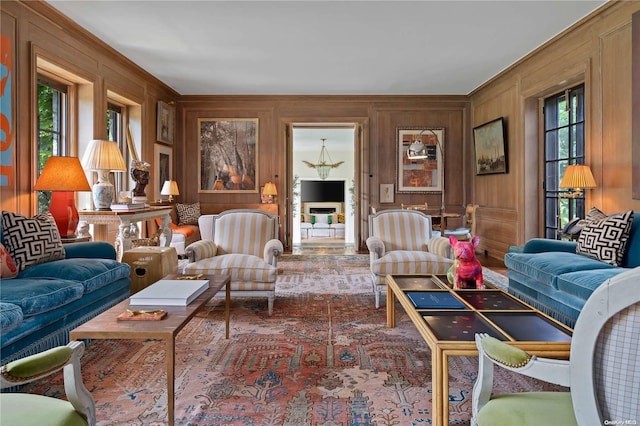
<point x="466" y="268"/>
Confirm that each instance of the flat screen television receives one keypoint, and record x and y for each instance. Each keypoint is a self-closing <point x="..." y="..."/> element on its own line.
<point x="322" y="191"/>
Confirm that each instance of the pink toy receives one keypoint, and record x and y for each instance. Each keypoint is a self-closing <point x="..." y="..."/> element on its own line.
<point x="466" y="268"/>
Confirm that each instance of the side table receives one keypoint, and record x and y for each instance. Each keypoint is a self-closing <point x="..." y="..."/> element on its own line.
<point x="150" y="264"/>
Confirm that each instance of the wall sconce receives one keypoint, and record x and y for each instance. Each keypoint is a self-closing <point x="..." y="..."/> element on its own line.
<point x="577" y="176"/>
<point x="170" y="188"/>
<point x="269" y="193"/>
<point x="103" y="157"/>
<point x="62" y="176"/>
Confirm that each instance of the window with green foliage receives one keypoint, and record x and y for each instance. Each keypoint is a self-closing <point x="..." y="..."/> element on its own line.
<point x="115" y="132"/>
<point x="52" y="128"/>
<point x="563" y="145"/>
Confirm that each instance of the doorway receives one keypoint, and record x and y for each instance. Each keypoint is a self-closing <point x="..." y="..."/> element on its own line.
<point x="323" y="202"/>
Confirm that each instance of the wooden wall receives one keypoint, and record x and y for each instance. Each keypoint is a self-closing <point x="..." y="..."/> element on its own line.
<point x="378" y="117"/>
<point x="597" y="52"/>
<point x="34" y="29"/>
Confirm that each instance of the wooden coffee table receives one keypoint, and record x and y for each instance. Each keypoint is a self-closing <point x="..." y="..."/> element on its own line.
<point x="451" y="331"/>
<point x="106" y="326"/>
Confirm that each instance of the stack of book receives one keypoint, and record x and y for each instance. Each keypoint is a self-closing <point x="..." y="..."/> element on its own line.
<point x="170" y="293"/>
<point x="128" y="206"/>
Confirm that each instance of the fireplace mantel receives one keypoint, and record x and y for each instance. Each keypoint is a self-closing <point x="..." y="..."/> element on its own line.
<point x="336" y="206"/>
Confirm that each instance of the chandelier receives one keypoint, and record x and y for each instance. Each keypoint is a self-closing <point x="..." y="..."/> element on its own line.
<point x="322" y="166"/>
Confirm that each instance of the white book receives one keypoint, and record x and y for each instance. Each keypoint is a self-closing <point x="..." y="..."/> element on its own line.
<point x="128" y="206"/>
<point x="170" y="293"/>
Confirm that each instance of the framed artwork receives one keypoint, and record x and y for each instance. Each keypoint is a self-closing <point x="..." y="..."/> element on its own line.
<point x="425" y="173"/>
<point x="8" y="110"/>
<point x="228" y="159"/>
<point x="164" y="167"/>
<point x="166" y="121"/>
<point x="490" y="147"/>
<point x="386" y="193"/>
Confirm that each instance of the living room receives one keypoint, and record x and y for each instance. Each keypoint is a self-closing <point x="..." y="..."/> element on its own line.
<point x="596" y="51"/>
<point x="599" y="54"/>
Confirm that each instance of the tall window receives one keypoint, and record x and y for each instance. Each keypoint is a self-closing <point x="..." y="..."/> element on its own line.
<point x="115" y="132"/>
<point x="52" y="128"/>
<point x="563" y="145"/>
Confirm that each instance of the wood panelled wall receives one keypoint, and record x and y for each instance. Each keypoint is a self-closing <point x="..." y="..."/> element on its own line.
<point x="378" y="117"/>
<point x="596" y="52"/>
<point x="37" y="30"/>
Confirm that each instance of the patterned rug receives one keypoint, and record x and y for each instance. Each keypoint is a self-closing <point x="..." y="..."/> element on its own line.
<point x="320" y="359"/>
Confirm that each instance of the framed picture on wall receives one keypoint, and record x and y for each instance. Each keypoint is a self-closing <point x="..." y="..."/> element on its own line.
<point x="491" y="147"/>
<point x="164" y="167"/>
<point x="420" y="164"/>
<point x="166" y="120"/>
<point x="228" y="159"/>
<point x="386" y="193"/>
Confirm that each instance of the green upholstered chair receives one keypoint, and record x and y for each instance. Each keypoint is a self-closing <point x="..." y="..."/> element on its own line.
<point x="30" y="409"/>
<point x="603" y="373"/>
<point x="400" y="242"/>
<point x="242" y="243"/>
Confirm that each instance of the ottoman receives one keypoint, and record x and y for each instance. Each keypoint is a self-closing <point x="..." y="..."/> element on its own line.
<point x="150" y="264"/>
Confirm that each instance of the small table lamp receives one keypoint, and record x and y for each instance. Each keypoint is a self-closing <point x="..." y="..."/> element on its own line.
<point x="270" y="191"/>
<point x="103" y="157"/>
<point x="577" y="176"/>
<point x="62" y="176"/>
<point x="170" y="188"/>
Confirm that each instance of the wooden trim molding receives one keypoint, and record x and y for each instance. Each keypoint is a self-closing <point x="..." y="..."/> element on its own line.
<point x="635" y="85"/>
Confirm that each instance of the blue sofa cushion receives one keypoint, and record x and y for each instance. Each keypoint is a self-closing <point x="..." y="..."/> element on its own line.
<point x="544" y="268"/>
<point x="583" y="283"/>
<point x="91" y="273"/>
<point x="632" y="254"/>
<point x="10" y="316"/>
<point x="37" y="295"/>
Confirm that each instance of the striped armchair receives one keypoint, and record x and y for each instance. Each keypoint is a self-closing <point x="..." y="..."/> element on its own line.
<point x="243" y="244"/>
<point x="400" y="243"/>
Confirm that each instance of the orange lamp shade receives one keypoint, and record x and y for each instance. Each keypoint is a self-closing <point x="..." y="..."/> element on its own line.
<point x="63" y="176"/>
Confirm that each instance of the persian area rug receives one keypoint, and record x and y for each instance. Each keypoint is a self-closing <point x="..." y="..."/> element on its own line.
<point x="320" y="359"/>
<point x="338" y="274"/>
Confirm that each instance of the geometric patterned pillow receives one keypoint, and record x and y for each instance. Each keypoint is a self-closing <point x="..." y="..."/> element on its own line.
<point x="31" y="240"/>
<point x="606" y="239"/>
<point x="188" y="214"/>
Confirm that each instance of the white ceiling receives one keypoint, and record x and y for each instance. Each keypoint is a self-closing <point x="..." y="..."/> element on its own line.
<point x="325" y="47"/>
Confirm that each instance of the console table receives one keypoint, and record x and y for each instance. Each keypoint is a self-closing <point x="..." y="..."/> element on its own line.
<point x="127" y="221"/>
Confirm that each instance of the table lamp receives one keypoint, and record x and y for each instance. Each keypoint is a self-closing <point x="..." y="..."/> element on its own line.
<point x="103" y="157"/>
<point x="170" y="188"/>
<point x="579" y="177"/>
<point x="62" y="176"/>
<point x="270" y="191"/>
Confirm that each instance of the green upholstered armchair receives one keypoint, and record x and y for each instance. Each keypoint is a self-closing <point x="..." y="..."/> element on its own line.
<point x="242" y="243"/>
<point x="30" y="409"/>
<point x="603" y="373"/>
<point x="400" y="242"/>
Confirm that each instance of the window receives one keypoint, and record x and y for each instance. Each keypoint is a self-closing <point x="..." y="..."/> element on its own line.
<point x="52" y="128"/>
<point x="115" y="132"/>
<point x="563" y="145"/>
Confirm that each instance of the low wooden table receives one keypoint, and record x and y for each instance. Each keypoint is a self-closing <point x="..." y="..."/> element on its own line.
<point x="106" y="326"/>
<point x="451" y="332"/>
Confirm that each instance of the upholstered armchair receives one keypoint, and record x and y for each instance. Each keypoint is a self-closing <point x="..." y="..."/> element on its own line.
<point x="602" y="374"/>
<point x="400" y="243"/>
<point x="243" y="244"/>
<point x="31" y="409"/>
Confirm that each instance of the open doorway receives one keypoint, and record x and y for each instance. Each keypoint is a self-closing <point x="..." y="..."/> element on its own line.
<point x="323" y="201"/>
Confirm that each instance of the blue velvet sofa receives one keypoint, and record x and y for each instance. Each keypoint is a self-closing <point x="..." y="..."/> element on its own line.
<point x="551" y="276"/>
<point x="46" y="301"/>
